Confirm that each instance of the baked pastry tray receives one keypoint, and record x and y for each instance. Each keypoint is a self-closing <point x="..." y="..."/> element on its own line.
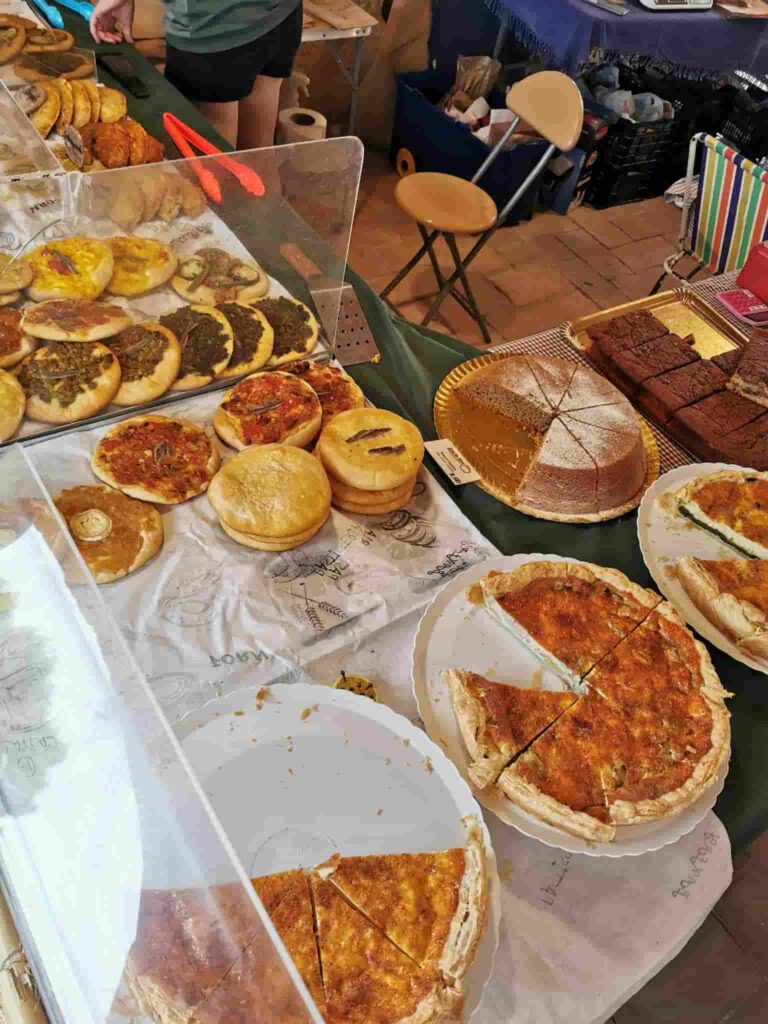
<point x="681" y="310"/>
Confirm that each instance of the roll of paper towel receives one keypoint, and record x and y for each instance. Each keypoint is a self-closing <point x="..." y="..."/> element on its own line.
<point x="298" y="124"/>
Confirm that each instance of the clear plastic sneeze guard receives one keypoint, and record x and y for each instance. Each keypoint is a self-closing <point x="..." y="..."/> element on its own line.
<point x="240" y="227"/>
<point x="126" y="893"/>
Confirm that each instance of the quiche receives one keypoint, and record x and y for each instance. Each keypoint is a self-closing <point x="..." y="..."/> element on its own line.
<point x="497" y="720"/>
<point x="335" y="389"/>
<point x="732" y="504"/>
<point x="156" y="458"/>
<point x="570" y="614"/>
<point x="268" y="408"/>
<point x="70" y="268"/>
<point x="733" y="595"/>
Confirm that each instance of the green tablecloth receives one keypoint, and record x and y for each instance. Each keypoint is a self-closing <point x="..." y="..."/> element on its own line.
<point x="414" y="361"/>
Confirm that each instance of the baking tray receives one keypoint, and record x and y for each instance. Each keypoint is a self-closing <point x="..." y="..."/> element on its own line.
<point x="681" y="310"/>
<point x="448" y="424"/>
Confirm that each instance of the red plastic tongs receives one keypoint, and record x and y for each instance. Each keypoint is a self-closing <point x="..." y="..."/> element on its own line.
<point x="183" y="135"/>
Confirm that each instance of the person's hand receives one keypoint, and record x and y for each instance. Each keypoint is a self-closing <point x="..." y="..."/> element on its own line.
<point x="111" y="21"/>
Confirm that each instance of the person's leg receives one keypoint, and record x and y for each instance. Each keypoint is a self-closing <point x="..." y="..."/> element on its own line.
<point x="223" y="117"/>
<point x="257" y="115"/>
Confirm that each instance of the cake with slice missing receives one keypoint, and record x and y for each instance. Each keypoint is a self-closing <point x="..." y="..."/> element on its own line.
<point x="562" y="438"/>
<point x="750" y="378"/>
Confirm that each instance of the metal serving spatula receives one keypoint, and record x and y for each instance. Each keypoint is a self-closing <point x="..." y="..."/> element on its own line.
<point x="354" y="339"/>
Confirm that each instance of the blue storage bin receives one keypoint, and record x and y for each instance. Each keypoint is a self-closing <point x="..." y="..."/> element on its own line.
<point x="438" y="143"/>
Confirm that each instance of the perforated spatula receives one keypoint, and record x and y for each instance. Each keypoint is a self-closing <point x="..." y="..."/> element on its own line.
<point x="354" y="339"/>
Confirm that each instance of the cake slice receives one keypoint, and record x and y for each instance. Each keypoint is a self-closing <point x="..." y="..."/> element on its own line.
<point x="498" y="720"/>
<point x="631" y="368"/>
<point x="559" y="778"/>
<point x="509" y="387"/>
<point x="733" y="596"/>
<point x="664" y="395"/>
<point x="618" y="454"/>
<point x="553" y="376"/>
<point x="570" y="614"/>
<point x="562" y="477"/>
<point x="588" y="389"/>
<point x="750" y="379"/>
<point x="731" y="504"/>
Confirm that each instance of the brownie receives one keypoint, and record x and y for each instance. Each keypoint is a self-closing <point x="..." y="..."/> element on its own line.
<point x="751" y="376"/>
<point x="651" y="359"/>
<point x="748" y="446"/>
<point x="703" y="426"/>
<point x="662" y="396"/>
<point x="728" y="361"/>
<point x="623" y="332"/>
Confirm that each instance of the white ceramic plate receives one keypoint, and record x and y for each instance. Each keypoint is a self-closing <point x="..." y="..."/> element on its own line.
<point x="665" y="537"/>
<point x="290" y="787"/>
<point x="455" y="634"/>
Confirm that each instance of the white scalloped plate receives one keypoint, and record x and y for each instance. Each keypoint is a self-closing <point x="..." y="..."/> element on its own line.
<point x="455" y="634"/>
<point x="311" y="770"/>
<point x="665" y="537"/>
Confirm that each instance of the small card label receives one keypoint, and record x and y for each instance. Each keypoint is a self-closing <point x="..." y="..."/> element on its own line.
<point x="452" y="462"/>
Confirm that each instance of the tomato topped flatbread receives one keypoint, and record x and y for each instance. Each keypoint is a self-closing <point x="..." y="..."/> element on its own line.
<point x="268" y="408"/>
<point x="335" y="389"/>
<point x="74" y="320"/>
<point x="498" y="720"/>
<point x="156" y="458"/>
<point x="14" y="344"/>
<point x="569" y="613"/>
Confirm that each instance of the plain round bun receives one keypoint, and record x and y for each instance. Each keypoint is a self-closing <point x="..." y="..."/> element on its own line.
<point x="367" y="509"/>
<point x="12" y="402"/>
<point x="160" y="458"/>
<point x="286" y="544"/>
<point x="357" y="497"/>
<point x="115" y="534"/>
<point x="371" y="449"/>
<point x="272" y="492"/>
<point x="74" y="320"/>
<point x="239" y="430"/>
<point x="53" y="404"/>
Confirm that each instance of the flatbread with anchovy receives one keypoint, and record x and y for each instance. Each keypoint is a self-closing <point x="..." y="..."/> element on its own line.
<point x="149" y="356"/>
<point x="295" y="327"/>
<point x="68" y="382"/>
<point x="206" y="340"/>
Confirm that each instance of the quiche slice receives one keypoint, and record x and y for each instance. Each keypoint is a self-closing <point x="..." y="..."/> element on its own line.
<point x="271" y="888"/>
<point x="570" y="614"/>
<point x="366" y="977"/>
<point x="733" y="595"/>
<point x="432" y="906"/>
<point x="498" y="720"/>
<point x="559" y="778"/>
<point x="731" y="504"/>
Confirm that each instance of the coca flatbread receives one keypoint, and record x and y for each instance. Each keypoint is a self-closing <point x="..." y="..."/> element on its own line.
<point x="65" y="382"/>
<point x="12" y="402"/>
<point x="74" y="320"/>
<point x="140" y="265"/>
<point x="75" y="267"/>
<point x="14" y="343"/>
<point x="206" y="340"/>
<point x="335" y="389"/>
<point x="268" y="408"/>
<point x="14" y="274"/>
<point x="156" y="458"/>
<point x="295" y="328"/>
<point x="149" y="356"/>
<point x="253" y="338"/>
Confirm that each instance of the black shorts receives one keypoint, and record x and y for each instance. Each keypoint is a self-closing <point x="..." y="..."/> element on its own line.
<point x="228" y="76"/>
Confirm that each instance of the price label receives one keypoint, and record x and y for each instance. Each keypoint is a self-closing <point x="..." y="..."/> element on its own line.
<point x="452" y="462"/>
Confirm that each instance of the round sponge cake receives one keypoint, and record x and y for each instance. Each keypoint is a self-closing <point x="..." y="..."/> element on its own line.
<point x="371" y="449"/>
<point x="272" y="493"/>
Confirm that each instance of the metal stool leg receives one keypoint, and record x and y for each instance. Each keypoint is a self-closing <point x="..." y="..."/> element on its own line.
<point x="405" y="271"/>
<point x="476" y="314"/>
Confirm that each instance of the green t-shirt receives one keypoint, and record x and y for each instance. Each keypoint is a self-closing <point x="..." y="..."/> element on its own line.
<point x="210" y="26"/>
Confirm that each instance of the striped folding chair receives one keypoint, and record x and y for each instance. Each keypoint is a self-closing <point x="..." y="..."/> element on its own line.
<point x="726" y="216"/>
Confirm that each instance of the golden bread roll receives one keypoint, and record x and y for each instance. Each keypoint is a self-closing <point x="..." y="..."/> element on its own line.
<point x="371" y="449"/>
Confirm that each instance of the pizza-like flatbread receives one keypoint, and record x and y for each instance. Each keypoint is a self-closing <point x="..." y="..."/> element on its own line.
<point x="733" y="595"/>
<point x="150" y="357"/>
<point x="296" y="329"/>
<point x="570" y="614"/>
<point x="432" y="906"/>
<point x="140" y="264"/>
<point x="12" y="403"/>
<point x="253" y="338"/>
<point x="206" y="340"/>
<point x="731" y="504"/>
<point x="268" y="408"/>
<point x="365" y="976"/>
<point x="74" y="320"/>
<point x="498" y="720"/>
<point x="68" y="382"/>
<point x="213" y="276"/>
<point x="14" y="275"/>
<point x="155" y="458"/>
<point x="14" y="343"/>
<point x="335" y="389"/>
<point x="74" y="267"/>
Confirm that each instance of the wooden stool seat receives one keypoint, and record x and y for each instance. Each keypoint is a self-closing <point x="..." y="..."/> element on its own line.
<point x="444" y="203"/>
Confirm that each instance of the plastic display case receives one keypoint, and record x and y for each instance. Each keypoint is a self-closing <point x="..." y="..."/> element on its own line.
<point x="248" y="205"/>
<point x="126" y="892"/>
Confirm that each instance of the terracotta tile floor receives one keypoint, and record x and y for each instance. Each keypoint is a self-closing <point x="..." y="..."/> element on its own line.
<point x="528" y="279"/>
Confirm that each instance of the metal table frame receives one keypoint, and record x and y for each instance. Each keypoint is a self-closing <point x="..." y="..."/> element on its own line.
<point x="331" y="37"/>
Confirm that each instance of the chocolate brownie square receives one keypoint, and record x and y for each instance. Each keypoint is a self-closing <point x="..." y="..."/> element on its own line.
<point x="748" y="446"/>
<point x="728" y="361"/>
<point x="651" y="359"/>
<point x="623" y="332"/>
<point x="662" y="396"/>
<point x="701" y="427"/>
<point x="751" y="376"/>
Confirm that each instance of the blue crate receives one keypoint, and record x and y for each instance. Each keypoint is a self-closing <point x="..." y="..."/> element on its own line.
<point x="438" y="143"/>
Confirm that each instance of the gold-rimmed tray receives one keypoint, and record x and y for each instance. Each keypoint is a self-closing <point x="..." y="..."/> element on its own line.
<point x="681" y="310"/>
<point x="447" y="415"/>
